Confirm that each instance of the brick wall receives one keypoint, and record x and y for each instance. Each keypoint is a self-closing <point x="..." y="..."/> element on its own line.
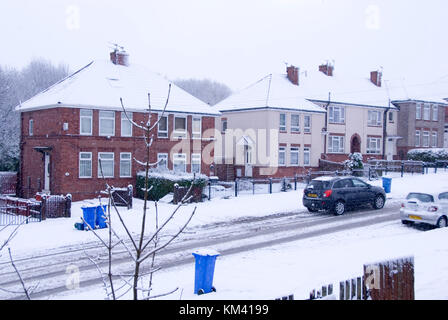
<point x="66" y="146"/>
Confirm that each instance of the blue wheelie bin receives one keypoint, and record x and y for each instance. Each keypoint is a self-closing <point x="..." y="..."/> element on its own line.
<point x="204" y="270"/>
<point x="387" y="184"/>
<point x="101" y="213"/>
<point x="89" y="213"/>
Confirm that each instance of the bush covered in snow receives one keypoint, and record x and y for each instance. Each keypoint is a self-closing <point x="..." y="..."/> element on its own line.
<point x="354" y="162"/>
<point x="163" y="181"/>
<point x="428" y="155"/>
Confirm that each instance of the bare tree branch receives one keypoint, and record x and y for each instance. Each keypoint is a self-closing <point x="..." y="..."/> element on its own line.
<point x="25" y="290"/>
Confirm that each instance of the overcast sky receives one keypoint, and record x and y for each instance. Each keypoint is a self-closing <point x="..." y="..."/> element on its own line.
<point x="234" y="42"/>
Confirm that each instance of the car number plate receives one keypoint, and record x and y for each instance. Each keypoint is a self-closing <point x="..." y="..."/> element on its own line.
<point x="415" y="217"/>
<point x="312" y="195"/>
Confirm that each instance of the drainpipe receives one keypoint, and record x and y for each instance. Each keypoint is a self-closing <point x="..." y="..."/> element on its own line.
<point x="326" y="124"/>
<point x="385" y="129"/>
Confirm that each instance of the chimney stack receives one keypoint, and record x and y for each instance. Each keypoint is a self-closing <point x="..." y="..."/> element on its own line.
<point x="119" y="57"/>
<point x="375" y="77"/>
<point x="327" y="69"/>
<point x="293" y="74"/>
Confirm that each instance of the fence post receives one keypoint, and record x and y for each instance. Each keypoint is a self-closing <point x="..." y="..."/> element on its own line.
<point x="270" y="185"/>
<point x="43" y="207"/>
<point x="295" y="182"/>
<point x="402" y="169"/>
<point x="68" y="205"/>
<point x="209" y="190"/>
<point x="253" y="187"/>
<point x="236" y="188"/>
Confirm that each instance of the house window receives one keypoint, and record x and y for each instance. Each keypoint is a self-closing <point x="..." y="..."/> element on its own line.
<point x="107" y="123"/>
<point x="196" y="163"/>
<point x="180" y="162"/>
<point x="106" y="164"/>
<point x="427" y="112"/>
<point x="85" y="164"/>
<point x="162" y="161"/>
<point x="295" y="123"/>
<point x="86" y="121"/>
<point x="374" y="118"/>
<point x="180" y="127"/>
<point x="31" y="127"/>
<point x="373" y="145"/>
<point x="336" y="114"/>
<point x="336" y="144"/>
<point x="197" y="128"/>
<point x="307" y="124"/>
<point x="418" y="111"/>
<point x="434" y="139"/>
<point x="162" y="127"/>
<point x="281" y="156"/>
<point x="223" y="125"/>
<point x="294" y="154"/>
<point x="126" y="126"/>
<point x="282" y="126"/>
<point x="435" y="113"/>
<point x="307" y="156"/>
<point x="417" y="138"/>
<point x="125" y="165"/>
<point x="391" y="117"/>
<point x="425" y="139"/>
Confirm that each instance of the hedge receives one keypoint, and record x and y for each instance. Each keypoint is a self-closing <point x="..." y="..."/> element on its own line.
<point x="163" y="182"/>
<point x="428" y="155"/>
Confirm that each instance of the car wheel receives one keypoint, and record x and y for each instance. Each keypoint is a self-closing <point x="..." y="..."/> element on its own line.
<point x="378" y="203"/>
<point x="312" y="210"/>
<point x="441" y="223"/>
<point x="406" y="222"/>
<point x="339" y="208"/>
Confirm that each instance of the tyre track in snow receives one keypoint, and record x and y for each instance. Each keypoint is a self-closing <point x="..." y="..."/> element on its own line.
<point x="231" y="237"/>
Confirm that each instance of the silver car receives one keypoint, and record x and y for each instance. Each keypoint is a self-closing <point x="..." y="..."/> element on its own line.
<point x="425" y="208"/>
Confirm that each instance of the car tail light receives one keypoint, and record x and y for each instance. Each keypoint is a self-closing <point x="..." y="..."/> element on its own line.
<point x="432" y="209"/>
<point x="328" y="193"/>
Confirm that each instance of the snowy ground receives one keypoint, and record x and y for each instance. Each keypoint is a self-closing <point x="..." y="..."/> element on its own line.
<point x="52" y="233"/>
<point x="298" y="267"/>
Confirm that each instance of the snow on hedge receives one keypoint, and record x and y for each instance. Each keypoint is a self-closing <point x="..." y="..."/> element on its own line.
<point x="428" y="155"/>
<point x="173" y="175"/>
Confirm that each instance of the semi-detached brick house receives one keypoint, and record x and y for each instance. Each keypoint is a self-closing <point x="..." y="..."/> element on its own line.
<point x="68" y="128"/>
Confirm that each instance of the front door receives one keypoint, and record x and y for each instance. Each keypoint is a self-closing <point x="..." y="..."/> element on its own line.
<point x="390" y="149"/>
<point x="248" y="161"/>
<point x="47" y="173"/>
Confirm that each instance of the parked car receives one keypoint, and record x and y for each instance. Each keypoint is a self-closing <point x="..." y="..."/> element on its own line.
<point x="425" y="208"/>
<point x="336" y="194"/>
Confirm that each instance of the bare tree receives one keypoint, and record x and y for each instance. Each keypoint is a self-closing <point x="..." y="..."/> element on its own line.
<point x="146" y="246"/>
<point x="209" y="91"/>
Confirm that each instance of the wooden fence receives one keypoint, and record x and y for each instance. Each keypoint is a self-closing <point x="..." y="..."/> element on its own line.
<point x="8" y="183"/>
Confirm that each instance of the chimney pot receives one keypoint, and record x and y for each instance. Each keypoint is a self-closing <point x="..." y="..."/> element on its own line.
<point x="327" y="69"/>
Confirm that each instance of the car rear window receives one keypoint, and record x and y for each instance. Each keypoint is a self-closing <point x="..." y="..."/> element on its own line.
<point x="443" y="196"/>
<point x="318" y="184"/>
<point x="422" y="197"/>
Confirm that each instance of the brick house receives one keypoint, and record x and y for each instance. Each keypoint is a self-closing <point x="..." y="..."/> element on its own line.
<point x="67" y="129"/>
<point x="315" y="114"/>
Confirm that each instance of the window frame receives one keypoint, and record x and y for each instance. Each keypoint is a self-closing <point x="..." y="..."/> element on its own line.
<point x="163" y="134"/>
<point x="377" y="147"/>
<point x="427" y="112"/>
<point x="307" y="129"/>
<point x="195" y="134"/>
<point x="282" y="126"/>
<point x="340" y="112"/>
<point x="434" y="142"/>
<point x="113" y="164"/>
<point x="182" y="155"/>
<point x="341" y="149"/>
<point x="91" y="164"/>
<point x="31" y="127"/>
<point x="418" y="138"/>
<point x="159" y="157"/>
<point x="295" y="128"/>
<point x="296" y="151"/>
<point x="426" y="136"/>
<point x="195" y="162"/>
<point x="223" y="125"/>
<point x="282" y="150"/>
<point x="102" y="118"/>
<point x="418" y="111"/>
<point x="180" y="134"/>
<point x="127" y="122"/>
<point x="435" y="112"/>
<point x="374" y="121"/>
<point x="81" y="117"/>
<point x="307" y="151"/>
<point x="130" y="164"/>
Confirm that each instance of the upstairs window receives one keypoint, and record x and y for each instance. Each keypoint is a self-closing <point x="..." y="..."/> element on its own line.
<point x="336" y="114"/>
<point x="107" y="123"/>
<point x="126" y="125"/>
<point x="427" y="112"/>
<point x="435" y="113"/>
<point x="85" y="119"/>
<point x="180" y="127"/>
<point x="282" y="126"/>
<point x="307" y="124"/>
<point x="162" y="127"/>
<point x="374" y="118"/>
<point x="391" y="117"/>
<point x="418" y="111"/>
<point x="196" y="128"/>
<point x="223" y="125"/>
<point x="31" y="127"/>
<point x="295" y="123"/>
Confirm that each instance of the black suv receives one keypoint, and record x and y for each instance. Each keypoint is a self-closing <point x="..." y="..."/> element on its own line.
<point x="335" y="194"/>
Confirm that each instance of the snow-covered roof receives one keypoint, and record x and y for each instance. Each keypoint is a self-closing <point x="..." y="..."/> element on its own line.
<point x="435" y="91"/>
<point x="101" y="84"/>
<point x="276" y="91"/>
<point x="273" y="91"/>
